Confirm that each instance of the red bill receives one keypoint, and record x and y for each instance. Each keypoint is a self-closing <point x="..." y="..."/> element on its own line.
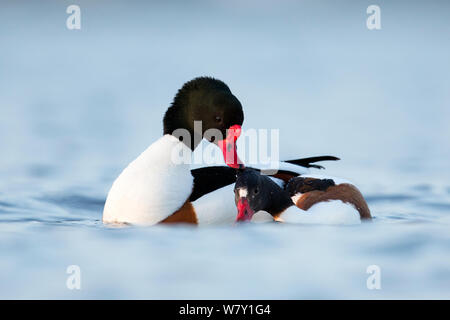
<point x="229" y="149"/>
<point x="245" y="213"/>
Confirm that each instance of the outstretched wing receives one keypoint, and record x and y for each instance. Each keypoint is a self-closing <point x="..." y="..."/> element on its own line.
<point x="209" y="179"/>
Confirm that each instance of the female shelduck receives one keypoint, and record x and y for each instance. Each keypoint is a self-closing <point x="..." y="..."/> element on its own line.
<point x="304" y="199"/>
<point x="156" y="189"/>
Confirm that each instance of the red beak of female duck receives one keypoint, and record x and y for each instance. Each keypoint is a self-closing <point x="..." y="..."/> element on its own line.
<point x="228" y="147"/>
<point x="245" y="213"/>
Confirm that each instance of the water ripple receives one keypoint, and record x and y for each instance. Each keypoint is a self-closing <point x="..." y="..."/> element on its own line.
<point x="389" y="198"/>
<point x="76" y="201"/>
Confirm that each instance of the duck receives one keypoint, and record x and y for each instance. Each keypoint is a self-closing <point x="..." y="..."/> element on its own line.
<point x="158" y="187"/>
<point x="305" y="199"/>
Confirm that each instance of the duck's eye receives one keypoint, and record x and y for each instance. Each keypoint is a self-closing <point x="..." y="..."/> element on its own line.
<point x="218" y="119"/>
<point x="256" y="191"/>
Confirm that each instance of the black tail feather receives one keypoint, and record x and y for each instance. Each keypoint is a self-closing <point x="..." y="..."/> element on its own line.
<point x="307" y="162"/>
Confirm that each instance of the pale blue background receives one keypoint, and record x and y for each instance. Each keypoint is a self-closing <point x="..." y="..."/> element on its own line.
<point x="77" y="106"/>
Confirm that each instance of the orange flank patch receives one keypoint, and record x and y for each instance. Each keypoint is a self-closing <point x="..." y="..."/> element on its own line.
<point x="186" y="214"/>
<point x="345" y="192"/>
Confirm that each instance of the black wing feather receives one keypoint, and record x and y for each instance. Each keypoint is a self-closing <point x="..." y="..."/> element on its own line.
<point x="209" y="179"/>
<point x="307" y="162"/>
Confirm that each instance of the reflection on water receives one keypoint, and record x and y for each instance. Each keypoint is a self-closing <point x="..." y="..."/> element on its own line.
<point x="76" y="107"/>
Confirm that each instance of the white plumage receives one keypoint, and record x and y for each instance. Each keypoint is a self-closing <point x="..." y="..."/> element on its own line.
<point x="216" y="207"/>
<point x="152" y="187"/>
<point x="330" y="212"/>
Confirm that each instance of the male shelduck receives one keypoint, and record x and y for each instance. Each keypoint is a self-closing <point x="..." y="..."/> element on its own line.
<point x="156" y="189"/>
<point x="304" y="199"/>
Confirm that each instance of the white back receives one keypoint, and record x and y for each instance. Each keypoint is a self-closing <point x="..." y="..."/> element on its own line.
<point x="269" y="168"/>
<point x="152" y="187"/>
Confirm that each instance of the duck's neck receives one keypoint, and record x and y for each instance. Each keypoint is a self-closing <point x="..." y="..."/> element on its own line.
<point x="175" y="123"/>
<point x="279" y="201"/>
<point x="187" y="138"/>
<point x="173" y="152"/>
